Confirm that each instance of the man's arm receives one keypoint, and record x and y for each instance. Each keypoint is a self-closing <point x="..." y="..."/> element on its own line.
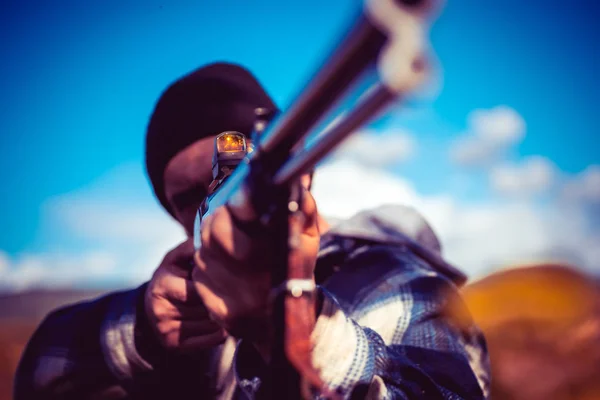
<point x="97" y="350"/>
<point x="407" y="350"/>
<point x="382" y="331"/>
<point x="149" y="342"/>
<point x="65" y="356"/>
<point x="395" y="340"/>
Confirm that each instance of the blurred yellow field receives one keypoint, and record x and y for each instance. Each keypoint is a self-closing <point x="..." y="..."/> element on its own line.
<point x="542" y="325"/>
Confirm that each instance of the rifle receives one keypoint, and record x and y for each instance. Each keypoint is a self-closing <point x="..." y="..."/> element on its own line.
<point x="389" y="36"/>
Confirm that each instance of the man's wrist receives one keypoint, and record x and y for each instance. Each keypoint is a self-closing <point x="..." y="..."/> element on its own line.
<point x="264" y="347"/>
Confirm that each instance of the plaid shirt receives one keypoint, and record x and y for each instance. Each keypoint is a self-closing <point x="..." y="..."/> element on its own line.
<point x="381" y="332"/>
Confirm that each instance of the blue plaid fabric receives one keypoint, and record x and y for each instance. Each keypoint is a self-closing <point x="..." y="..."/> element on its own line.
<point x="381" y="333"/>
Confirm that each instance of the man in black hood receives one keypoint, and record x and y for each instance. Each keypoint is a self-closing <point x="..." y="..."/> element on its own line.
<point x="170" y="326"/>
<point x="379" y="329"/>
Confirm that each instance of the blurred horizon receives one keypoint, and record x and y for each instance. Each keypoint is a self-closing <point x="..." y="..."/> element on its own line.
<point x="497" y="151"/>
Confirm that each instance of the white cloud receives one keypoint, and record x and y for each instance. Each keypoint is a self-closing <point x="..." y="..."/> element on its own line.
<point x="501" y="125"/>
<point x="585" y="187"/>
<point x="478" y="238"/>
<point x="592" y="251"/>
<point x="344" y="187"/>
<point x="103" y="221"/>
<point x="489" y="134"/>
<point x="119" y="232"/>
<point x="378" y="150"/>
<point x="484" y="238"/>
<point x="470" y="151"/>
<point x="56" y="270"/>
<point x="533" y="176"/>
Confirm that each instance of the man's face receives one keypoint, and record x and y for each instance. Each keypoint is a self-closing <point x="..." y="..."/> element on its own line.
<point x="187" y="177"/>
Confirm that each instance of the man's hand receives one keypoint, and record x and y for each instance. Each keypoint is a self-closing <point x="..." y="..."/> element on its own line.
<point x="232" y="273"/>
<point x="175" y="312"/>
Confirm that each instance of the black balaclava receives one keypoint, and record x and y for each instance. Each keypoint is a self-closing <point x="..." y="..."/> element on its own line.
<point x="212" y="99"/>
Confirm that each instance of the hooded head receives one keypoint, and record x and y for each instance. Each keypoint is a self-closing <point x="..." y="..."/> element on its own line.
<point x="188" y="115"/>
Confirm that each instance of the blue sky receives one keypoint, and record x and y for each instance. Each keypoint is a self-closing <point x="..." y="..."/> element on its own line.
<point x="79" y="80"/>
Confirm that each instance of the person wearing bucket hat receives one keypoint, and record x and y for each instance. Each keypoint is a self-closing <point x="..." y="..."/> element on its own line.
<point x="382" y="282"/>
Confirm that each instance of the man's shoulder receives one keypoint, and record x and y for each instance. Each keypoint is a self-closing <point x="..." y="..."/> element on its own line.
<point x="389" y="239"/>
<point x="391" y="223"/>
<point x="367" y="265"/>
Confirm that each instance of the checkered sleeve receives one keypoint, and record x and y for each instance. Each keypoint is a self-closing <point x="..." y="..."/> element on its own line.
<point x="382" y="334"/>
<point x="94" y="350"/>
<point x="64" y="358"/>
